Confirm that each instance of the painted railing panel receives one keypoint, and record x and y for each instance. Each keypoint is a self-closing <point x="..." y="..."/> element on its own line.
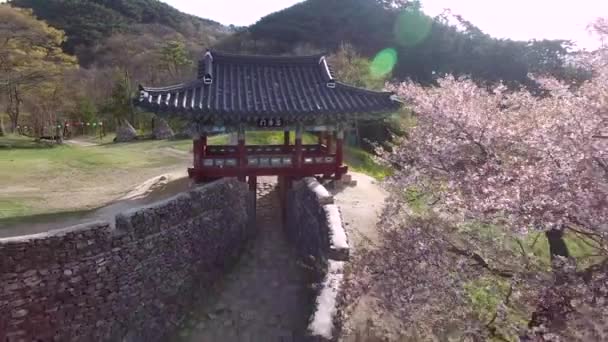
<point x="263" y="149"/>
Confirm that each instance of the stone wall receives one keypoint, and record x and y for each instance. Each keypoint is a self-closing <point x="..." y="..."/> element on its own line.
<point x="314" y="226"/>
<point x="132" y="279"/>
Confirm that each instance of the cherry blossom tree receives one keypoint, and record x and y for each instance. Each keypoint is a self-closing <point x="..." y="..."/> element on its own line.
<point x="492" y="189"/>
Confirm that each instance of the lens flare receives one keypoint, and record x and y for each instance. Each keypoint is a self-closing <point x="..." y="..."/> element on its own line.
<point x="412" y="27"/>
<point x="384" y="62"/>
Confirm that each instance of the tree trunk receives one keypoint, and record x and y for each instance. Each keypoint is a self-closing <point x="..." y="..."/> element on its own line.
<point x="553" y="309"/>
<point x="557" y="245"/>
<point x="14" y="106"/>
<point x="58" y="135"/>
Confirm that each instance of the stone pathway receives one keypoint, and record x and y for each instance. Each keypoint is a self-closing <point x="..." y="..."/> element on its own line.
<point x="264" y="298"/>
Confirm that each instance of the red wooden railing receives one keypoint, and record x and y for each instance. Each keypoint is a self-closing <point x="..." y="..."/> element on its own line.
<point x="263" y="149"/>
<point x="218" y="161"/>
<point x="225" y="161"/>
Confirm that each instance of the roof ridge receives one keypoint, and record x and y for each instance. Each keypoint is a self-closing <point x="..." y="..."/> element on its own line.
<point x="220" y="55"/>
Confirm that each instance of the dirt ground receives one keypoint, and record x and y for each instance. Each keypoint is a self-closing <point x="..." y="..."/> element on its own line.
<point x="361" y="207"/>
<point x="264" y="298"/>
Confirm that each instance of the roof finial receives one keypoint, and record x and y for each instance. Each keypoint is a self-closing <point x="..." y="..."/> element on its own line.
<point x="329" y="78"/>
<point x="208" y="68"/>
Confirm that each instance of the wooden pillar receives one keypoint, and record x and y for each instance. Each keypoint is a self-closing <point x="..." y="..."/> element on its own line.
<point x="241" y="153"/>
<point x="253" y="183"/>
<point x="321" y="136"/>
<point x="329" y="142"/>
<point x="339" y="147"/>
<point x="196" y="151"/>
<point x="286" y="138"/>
<point x="298" y="151"/>
<point x="282" y="196"/>
<point x="203" y="145"/>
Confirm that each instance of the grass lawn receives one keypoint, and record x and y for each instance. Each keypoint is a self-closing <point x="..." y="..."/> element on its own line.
<point x="362" y="161"/>
<point x="24" y="160"/>
<point x="38" y="179"/>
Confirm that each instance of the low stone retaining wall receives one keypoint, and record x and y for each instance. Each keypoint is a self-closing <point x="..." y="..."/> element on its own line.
<point x="314" y="226"/>
<point x="129" y="281"/>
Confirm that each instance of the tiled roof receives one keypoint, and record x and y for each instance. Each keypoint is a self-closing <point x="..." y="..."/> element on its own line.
<point x="250" y="87"/>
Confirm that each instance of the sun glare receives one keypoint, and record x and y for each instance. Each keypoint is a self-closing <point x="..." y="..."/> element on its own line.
<point x="384" y="62"/>
<point x="412" y="27"/>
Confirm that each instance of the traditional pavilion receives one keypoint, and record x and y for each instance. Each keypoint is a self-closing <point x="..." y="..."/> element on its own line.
<point x="239" y="93"/>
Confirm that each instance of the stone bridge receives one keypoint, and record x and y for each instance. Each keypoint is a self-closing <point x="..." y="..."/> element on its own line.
<point x="201" y="266"/>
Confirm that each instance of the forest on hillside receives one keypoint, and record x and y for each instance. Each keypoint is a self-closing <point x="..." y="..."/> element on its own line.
<point x="85" y="59"/>
<point x="426" y="47"/>
<point x="87" y="23"/>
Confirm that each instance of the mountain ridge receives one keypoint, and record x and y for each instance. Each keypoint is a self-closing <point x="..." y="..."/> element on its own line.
<point x="88" y="22"/>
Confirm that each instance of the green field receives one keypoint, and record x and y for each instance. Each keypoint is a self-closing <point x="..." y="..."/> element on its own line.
<point x="25" y="158"/>
<point x="40" y="178"/>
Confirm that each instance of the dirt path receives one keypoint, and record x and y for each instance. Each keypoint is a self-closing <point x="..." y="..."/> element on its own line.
<point x="361" y="207"/>
<point x="80" y="143"/>
<point x="264" y="298"/>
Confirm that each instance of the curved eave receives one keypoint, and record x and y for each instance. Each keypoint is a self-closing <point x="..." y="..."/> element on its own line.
<point x="387" y="104"/>
<point x="175" y="87"/>
<point x="233" y="116"/>
<point x="363" y="90"/>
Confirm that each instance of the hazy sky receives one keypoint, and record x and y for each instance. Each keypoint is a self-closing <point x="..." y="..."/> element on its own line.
<point x="517" y="19"/>
<point x="528" y="19"/>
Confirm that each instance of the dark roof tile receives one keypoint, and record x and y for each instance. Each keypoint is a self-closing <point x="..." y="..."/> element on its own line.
<point x="244" y="87"/>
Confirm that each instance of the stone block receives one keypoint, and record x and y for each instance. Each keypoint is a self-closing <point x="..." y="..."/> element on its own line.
<point x="338" y="241"/>
<point x="346" y="178"/>
<point x="321" y="325"/>
<point x="323" y="196"/>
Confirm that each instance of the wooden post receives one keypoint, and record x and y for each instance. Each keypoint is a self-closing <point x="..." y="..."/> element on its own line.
<point x="203" y="145"/>
<point x="286" y="138"/>
<point x="298" y="154"/>
<point x="241" y="154"/>
<point x="196" y="151"/>
<point x="329" y="142"/>
<point x="320" y="137"/>
<point x="253" y="183"/>
<point x="339" y="147"/>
